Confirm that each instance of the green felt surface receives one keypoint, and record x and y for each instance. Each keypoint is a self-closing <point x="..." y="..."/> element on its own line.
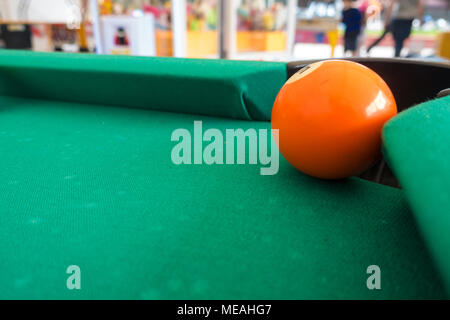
<point x="95" y="186"/>
<point x="417" y="147"/>
<point x="234" y="89"/>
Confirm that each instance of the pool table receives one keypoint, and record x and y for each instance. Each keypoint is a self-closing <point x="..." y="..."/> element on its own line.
<point x="87" y="179"/>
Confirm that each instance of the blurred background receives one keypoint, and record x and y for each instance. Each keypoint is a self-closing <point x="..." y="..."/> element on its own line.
<point x="279" y="30"/>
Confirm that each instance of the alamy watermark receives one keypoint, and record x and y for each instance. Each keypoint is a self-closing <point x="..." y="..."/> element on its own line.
<point x="213" y="147"/>
<point x="374" y="280"/>
<point x="73" y="281"/>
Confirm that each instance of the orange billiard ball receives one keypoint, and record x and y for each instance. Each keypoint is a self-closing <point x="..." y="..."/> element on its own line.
<point x="329" y="117"/>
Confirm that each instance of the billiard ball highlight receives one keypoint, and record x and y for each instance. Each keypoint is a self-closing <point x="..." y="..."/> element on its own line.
<point x="330" y="115"/>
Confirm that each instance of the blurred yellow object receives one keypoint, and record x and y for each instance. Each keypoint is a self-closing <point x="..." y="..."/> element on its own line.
<point x="443" y="44"/>
<point x="163" y="39"/>
<point x="106" y="7"/>
<point x="244" y="41"/>
<point x="333" y="37"/>
<point x="121" y="51"/>
<point x="268" y="21"/>
<point x="201" y="44"/>
<point x="82" y="37"/>
<point x="267" y="41"/>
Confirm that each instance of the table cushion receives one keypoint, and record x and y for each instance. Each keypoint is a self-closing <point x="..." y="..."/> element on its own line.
<point x="417" y="148"/>
<point x="223" y="88"/>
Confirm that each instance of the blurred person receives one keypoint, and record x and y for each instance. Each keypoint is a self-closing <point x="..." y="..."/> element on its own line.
<point x="352" y="19"/>
<point x="399" y="18"/>
<point x="368" y="10"/>
<point x="387" y="29"/>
